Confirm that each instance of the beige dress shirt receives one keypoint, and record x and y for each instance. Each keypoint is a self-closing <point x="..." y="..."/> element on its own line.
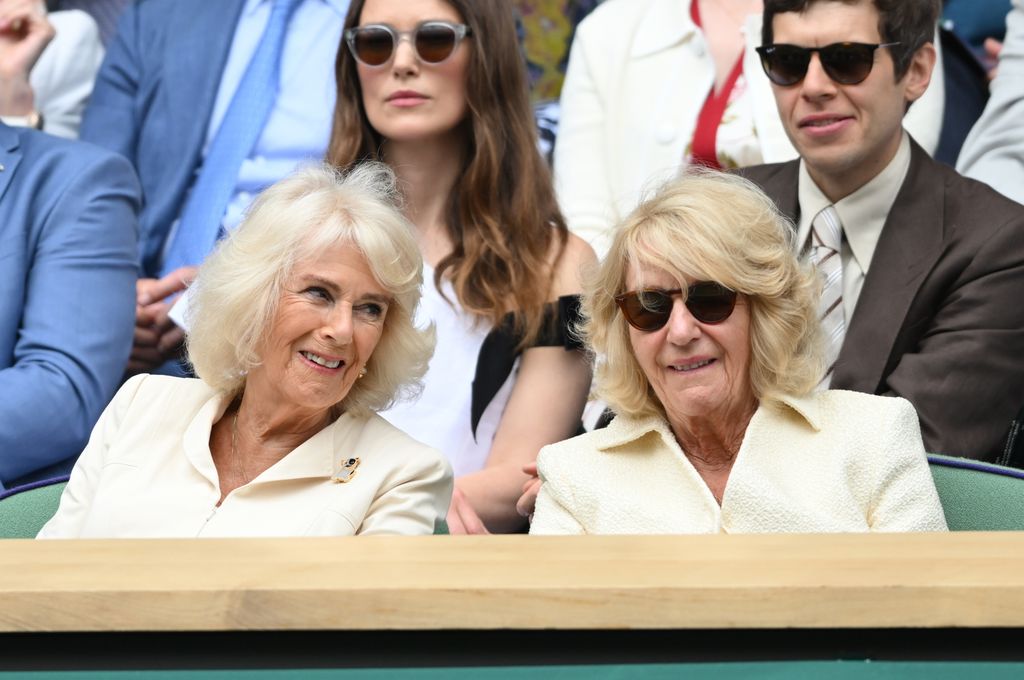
<point x="147" y="472"/>
<point x="863" y="214"/>
<point x="833" y="461"/>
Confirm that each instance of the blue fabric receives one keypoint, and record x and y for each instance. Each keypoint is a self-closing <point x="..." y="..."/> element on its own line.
<point x="67" y="293"/>
<point x="167" y="74"/>
<point x="236" y="136"/>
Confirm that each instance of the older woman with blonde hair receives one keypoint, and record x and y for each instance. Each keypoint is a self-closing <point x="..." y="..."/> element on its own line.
<point x="301" y="328"/>
<point x="708" y="331"/>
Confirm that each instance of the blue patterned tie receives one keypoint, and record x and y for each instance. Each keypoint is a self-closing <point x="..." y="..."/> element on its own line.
<point x="200" y="224"/>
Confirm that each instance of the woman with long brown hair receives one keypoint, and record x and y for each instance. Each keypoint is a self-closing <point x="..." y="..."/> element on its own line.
<point x="437" y="90"/>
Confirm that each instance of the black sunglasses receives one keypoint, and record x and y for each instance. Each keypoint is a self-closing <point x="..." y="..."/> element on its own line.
<point x="649" y="309"/>
<point x="847" y="63"/>
<point x="434" y="41"/>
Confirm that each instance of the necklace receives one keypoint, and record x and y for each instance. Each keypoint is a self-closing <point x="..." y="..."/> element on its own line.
<point x="234" y="448"/>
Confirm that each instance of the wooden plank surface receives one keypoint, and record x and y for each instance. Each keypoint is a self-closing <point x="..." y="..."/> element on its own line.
<point x="521" y="582"/>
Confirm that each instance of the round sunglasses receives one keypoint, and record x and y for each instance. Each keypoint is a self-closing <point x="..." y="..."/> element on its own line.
<point x="433" y="41"/>
<point x="649" y="309"/>
<point x="847" y="63"/>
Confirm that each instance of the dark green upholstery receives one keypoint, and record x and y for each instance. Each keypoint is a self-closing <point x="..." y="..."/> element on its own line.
<point x="24" y="514"/>
<point x="979" y="496"/>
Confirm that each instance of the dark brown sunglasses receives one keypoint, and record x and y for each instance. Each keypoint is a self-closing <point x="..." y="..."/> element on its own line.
<point x="847" y="63"/>
<point x="649" y="309"/>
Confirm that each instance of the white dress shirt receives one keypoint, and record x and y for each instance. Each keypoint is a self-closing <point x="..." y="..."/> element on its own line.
<point x="863" y="214"/>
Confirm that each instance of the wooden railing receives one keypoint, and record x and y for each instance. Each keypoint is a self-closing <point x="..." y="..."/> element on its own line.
<point x="515" y="582"/>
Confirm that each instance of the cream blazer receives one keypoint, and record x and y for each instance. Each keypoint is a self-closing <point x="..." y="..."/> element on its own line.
<point x="638" y="74"/>
<point x="147" y="472"/>
<point x="834" y="461"/>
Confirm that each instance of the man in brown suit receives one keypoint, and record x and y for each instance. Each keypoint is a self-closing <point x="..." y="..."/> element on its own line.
<point x="931" y="288"/>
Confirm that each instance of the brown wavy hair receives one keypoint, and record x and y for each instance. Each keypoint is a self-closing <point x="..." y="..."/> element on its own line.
<point x="502" y="214"/>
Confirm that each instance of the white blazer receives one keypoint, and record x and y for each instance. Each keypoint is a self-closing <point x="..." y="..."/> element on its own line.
<point x="638" y="75"/>
<point x="834" y="461"/>
<point x="147" y="472"/>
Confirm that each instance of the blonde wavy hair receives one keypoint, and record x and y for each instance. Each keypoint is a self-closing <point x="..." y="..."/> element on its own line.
<point x="713" y="226"/>
<point x="235" y="295"/>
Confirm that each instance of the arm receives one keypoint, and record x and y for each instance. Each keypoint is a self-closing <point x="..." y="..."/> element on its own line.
<point x="110" y="118"/>
<point x="414" y="504"/>
<point x="76" y="323"/>
<point x="905" y="498"/>
<point x="581" y="163"/>
<point x="545" y="407"/>
<point x="76" y="500"/>
<point x="994" y="150"/>
<point x="965" y="377"/>
<point x="24" y="34"/>
<point x="551" y="516"/>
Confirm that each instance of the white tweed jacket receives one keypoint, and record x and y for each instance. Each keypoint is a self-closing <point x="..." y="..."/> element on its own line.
<point x="834" y="461"/>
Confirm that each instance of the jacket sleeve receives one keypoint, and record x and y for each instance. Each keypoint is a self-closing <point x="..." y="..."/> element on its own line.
<point x="76" y="500"/>
<point x="78" y="316"/>
<point x="110" y="119"/>
<point x="905" y="498"/>
<point x="552" y="514"/>
<point x="417" y="498"/>
<point x="994" y="151"/>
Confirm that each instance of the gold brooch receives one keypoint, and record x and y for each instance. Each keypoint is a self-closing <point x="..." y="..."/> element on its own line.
<point x="347" y="471"/>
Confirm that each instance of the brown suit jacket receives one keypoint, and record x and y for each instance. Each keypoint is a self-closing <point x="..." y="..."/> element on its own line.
<point x="940" y="319"/>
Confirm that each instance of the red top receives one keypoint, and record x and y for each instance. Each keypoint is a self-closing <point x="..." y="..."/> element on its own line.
<point x="705" y="136"/>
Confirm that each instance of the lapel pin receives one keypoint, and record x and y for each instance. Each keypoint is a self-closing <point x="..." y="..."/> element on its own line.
<point x="346" y="472"/>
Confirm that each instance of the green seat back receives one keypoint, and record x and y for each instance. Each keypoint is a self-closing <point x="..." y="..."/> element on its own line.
<point x="24" y="514"/>
<point x="979" y="496"/>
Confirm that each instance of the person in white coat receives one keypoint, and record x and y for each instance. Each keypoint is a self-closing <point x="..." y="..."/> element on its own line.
<point x="711" y="349"/>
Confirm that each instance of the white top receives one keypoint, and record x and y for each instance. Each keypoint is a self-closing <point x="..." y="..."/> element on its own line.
<point x="441" y="416"/>
<point x="147" y="472"/>
<point x="833" y="461"/>
<point x="63" y="77"/>
<point x="862" y="215"/>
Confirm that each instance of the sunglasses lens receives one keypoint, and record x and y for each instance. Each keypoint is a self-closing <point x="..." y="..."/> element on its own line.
<point x="848" y="63"/>
<point x="373" y="45"/>
<point x="710" y="302"/>
<point x="435" y="42"/>
<point x="646" y="310"/>
<point x="786" y="64"/>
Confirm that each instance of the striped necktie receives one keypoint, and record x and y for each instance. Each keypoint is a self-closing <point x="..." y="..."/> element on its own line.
<point x="824" y="243"/>
<point x="250" y="107"/>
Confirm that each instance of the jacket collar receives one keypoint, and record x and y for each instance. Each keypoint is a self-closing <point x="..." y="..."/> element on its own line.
<point x="624" y="430"/>
<point x="10" y="155"/>
<point x="666" y="23"/>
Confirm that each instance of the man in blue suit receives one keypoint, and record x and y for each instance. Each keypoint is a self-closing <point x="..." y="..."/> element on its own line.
<point x="163" y="94"/>
<point x="68" y="264"/>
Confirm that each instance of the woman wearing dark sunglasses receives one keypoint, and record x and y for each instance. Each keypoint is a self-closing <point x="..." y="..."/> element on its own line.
<point x="437" y="90"/>
<point x="708" y="330"/>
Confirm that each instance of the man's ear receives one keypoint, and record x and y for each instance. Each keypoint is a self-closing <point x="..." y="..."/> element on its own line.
<point x="919" y="74"/>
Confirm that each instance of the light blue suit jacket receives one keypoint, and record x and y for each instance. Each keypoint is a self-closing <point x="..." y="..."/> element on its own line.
<point x="68" y="244"/>
<point x="153" y="99"/>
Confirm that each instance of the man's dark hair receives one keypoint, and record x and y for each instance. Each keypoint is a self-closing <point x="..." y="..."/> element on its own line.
<point x="911" y="23"/>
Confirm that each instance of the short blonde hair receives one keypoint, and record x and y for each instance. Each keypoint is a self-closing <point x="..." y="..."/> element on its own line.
<point x="235" y="295"/>
<point x="719" y="227"/>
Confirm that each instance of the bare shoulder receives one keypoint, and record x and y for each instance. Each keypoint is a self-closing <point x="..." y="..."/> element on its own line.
<point x="576" y="258"/>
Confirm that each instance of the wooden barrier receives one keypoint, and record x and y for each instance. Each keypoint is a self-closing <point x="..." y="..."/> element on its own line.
<point x="515" y="582"/>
